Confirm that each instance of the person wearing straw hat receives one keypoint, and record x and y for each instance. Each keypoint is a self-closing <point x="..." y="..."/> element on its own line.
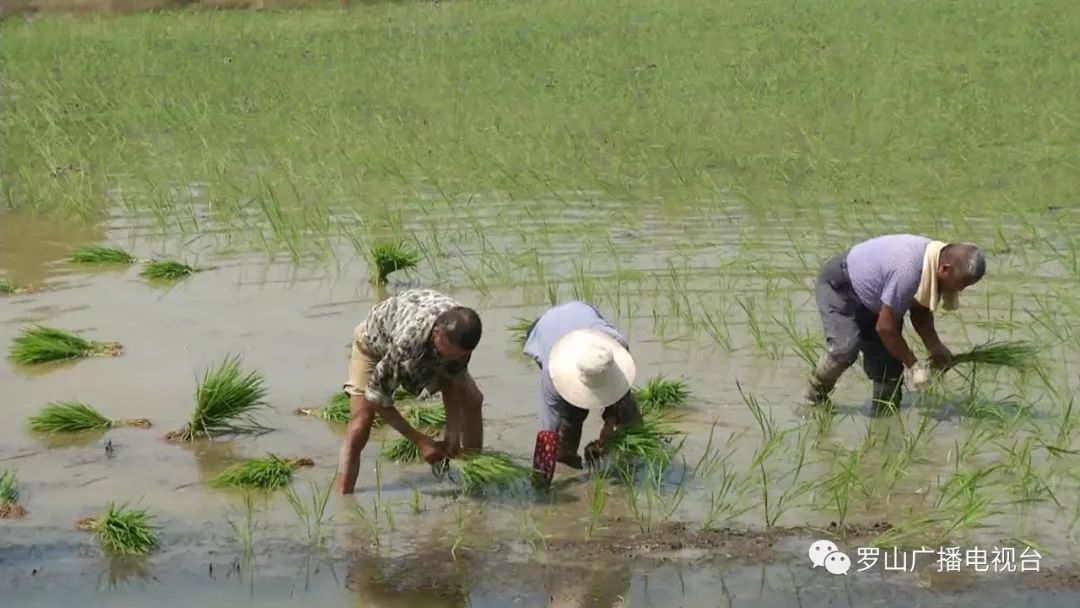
<point x="863" y="296"/>
<point x="585" y="365"/>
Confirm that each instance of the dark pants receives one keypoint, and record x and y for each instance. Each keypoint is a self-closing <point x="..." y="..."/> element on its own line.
<point x="850" y="329"/>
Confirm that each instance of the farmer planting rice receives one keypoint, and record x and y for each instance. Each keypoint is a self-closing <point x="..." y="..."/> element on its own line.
<point x="863" y="295"/>
<point x="585" y="365"/>
<point x="418" y="339"/>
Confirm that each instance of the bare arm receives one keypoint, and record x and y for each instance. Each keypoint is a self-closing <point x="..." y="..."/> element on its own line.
<point x="888" y="327"/>
<point x="923" y="322"/>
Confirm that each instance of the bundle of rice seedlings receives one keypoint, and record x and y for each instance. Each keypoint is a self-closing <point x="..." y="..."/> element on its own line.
<point x="39" y="344"/>
<point x="166" y="270"/>
<point x="660" y="394"/>
<point x="121" y="530"/>
<point x="489" y="470"/>
<point x="519" y="329"/>
<point x="74" y="417"/>
<point x="9" y="288"/>
<point x="9" y="496"/>
<point x="98" y="254"/>
<point x="269" y="473"/>
<point x="386" y="258"/>
<point x="643" y="441"/>
<point x="225" y="400"/>
<point x="336" y="410"/>
<point x="401" y="450"/>
<point x="1018" y="355"/>
<point x="426" y="417"/>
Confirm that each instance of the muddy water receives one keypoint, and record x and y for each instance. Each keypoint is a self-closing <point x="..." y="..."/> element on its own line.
<point x="293" y="322"/>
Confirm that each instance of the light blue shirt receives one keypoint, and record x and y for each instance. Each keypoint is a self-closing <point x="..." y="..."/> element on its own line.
<point x="552" y="325"/>
<point x="886" y="270"/>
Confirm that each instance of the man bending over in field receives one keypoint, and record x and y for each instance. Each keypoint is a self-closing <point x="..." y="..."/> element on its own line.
<point x="863" y="295"/>
<point x="418" y="339"/>
<point x="584" y="365"/>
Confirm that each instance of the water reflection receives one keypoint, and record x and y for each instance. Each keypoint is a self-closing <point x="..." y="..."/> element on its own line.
<point x="31" y="245"/>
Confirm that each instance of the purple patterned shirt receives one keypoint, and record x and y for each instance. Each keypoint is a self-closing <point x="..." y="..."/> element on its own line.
<point x="886" y="270"/>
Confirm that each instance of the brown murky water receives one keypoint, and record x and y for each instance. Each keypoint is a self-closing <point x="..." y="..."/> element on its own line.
<point x="292" y="323"/>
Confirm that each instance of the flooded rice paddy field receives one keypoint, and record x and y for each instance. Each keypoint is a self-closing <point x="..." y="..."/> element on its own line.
<point x="598" y="173"/>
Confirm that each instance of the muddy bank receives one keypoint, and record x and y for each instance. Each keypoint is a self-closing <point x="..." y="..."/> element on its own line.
<point x="675" y="565"/>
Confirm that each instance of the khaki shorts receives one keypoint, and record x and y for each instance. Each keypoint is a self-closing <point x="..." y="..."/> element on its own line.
<point x="361" y="364"/>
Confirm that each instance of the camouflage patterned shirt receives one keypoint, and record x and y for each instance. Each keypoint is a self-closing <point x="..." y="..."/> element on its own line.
<point x="397" y="333"/>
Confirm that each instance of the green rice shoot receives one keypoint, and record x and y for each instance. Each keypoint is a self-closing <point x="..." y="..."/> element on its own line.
<point x="9" y="487"/>
<point x="225" y="400"/>
<point x="270" y="473"/>
<point x="9" y="288"/>
<point x="660" y="394"/>
<point x="9" y="496"/>
<point x="166" y="270"/>
<point x="489" y="471"/>
<point x="38" y="344"/>
<point x="426" y="417"/>
<point x="645" y="441"/>
<point x="519" y="329"/>
<point x="122" y="530"/>
<point x="386" y="258"/>
<point x="99" y="254"/>
<point x="401" y="450"/>
<point x="1018" y="355"/>
<point x="76" y="417"/>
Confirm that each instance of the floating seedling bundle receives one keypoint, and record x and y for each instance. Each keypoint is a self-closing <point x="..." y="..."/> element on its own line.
<point x="9" y="496"/>
<point x="121" y="530"/>
<point x="225" y="401"/>
<point x="270" y="473"/>
<point x="166" y="270"/>
<point x="101" y="255"/>
<point x="38" y="344"/>
<point x="74" y="417"/>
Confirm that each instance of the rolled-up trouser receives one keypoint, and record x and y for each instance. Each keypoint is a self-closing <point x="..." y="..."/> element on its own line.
<point x="850" y="328"/>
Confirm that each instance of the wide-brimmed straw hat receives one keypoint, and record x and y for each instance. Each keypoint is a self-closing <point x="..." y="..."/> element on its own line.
<point x="590" y="369"/>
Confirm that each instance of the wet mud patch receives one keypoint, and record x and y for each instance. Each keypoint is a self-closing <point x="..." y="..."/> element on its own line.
<point x="11" y="510"/>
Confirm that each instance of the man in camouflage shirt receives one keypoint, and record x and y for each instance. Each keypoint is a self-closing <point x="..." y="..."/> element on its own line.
<point x="418" y="339"/>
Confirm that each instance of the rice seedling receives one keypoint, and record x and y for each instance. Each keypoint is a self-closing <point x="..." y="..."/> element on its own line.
<point x="314" y="516"/>
<point x="245" y="531"/>
<point x="1018" y="355"/>
<point x="386" y="258"/>
<point x="519" y="329"/>
<point x="99" y="254"/>
<point x="841" y="485"/>
<point x="225" y="400"/>
<point x="660" y="394"/>
<point x="166" y="270"/>
<point x="122" y="530"/>
<point x="270" y="473"/>
<point x="401" y="450"/>
<point x="39" y="344"/>
<point x="74" y="417"/>
<point x="427" y="417"/>
<point x="336" y="410"/>
<point x="9" y="496"/>
<point x="597" y="500"/>
<point x="489" y="470"/>
<point x="9" y="288"/>
<point x="645" y="441"/>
